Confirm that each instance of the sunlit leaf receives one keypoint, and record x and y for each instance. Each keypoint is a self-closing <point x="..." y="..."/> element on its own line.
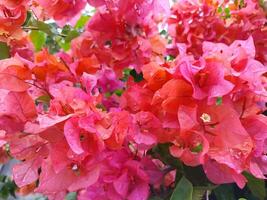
<point x="183" y="190"/>
<point x="38" y="39"/>
<point x="42" y="26"/>
<point x="71" y="196"/>
<point x="71" y="35"/>
<point x="82" y="21"/>
<point x="4" y="51"/>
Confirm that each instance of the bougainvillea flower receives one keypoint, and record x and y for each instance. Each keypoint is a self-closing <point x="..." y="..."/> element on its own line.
<point x="2" y="138"/>
<point x="145" y="130"/>
<point x="239" y="59"/>
<point x="190" y="147"/>
<point x="96" y="3"/>
<point x="62" y="11"/>
<point x="23" y="48"/>
<point x="70" y="178"/>
<point x="136" y="98"/>
<point x="14" y="3"/>
<point x="173" y="93"/>
<point x="190" y="144"/>
<point x="13" y="74"/>
<point x="88" y="65"/>
<point x="139" y="94"/>
<point x="155" y="75"/>
<point x="117" y="128"/>
<point x="78" y="139"/>
<point x="68" y="99"/>
<point x="47" y="66"/>
<point x="253" y="75"/>
<point x="193" y="23"/>
<point x="256" y="127"/>
<point x="32" y="149"/>
<point x="108" y="81"/>
<point x="120" y="27"/>
<point x="11" y="18"/>
<point x="20" y="105"/>
<point x="206" y="78"/>
<point x="230" y="144"/>
<point x="27" y="172"/>
<point x="123" y="178"/>
<point x="235" y="55"/>
<point x="221" y="174"/>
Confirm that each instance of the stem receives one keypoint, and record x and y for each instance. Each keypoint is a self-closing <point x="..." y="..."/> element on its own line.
<point x="243" y="108"/>
<point x="30" y="28"/>
<point x="45" y="90"/>
<point x="63" y="61"/>
<point x="207" y="194"/>
<point x="34" y="28"/>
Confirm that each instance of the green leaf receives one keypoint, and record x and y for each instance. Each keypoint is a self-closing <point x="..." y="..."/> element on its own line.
<point x="197" y="149"/>
<point x="44" y="99"/>
<point x="82" y="21"/>
<point x="38" y="39"/>
<point x="71" y="196"/>
<point x="242" y="4"/>
<point x="163" y="32"/>
<point x="64" y="45"/>
<point x="66" y="29"/>
<point x="126" y="74"/>
<point x="7" y="187"/>
<point x="108" y="94"/>
<point x="219" y="101"/>
<point x="256" y="186"/>
<point x="137" y="77"/>
<point x="198" y="192"/>
<point x="155" y="198"/>
<point x="29" y="15"/>
<point x="4" y="51"/>
<point x="227" y="12"/>
<point x="183" y="190"/>
<point x="197" y="176"/>
<point x="224" y="192"/>
<point x="262" y="4"/>
<point x="52" y="45"/>
<point x="119" y="92"/>
<point x="71" y="35"/>
<point x="42" y="26"/>
<point x="169" y="58"/>
<point x="161" y="151"/>
<point x="101" y="106"/>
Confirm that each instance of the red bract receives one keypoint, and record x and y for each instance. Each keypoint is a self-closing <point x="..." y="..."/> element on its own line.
<point x="71" y="178"/>
<point x="207" y="78"/>
<point x="191" y="145"/>
<point x="62" y="11"/>
<point x="123" y="177"/>
<point x="14" y="3"/>
<point x="193" y="23"/>
<point x="13" y="75"/>
<point x="23" y="48"/>
<point x="256" y="127"/>
<point x="124" y="31"/>
<point x="11" y="18"/>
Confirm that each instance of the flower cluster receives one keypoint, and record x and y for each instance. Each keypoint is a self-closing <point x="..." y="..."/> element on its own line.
<point x="90" y="120"/>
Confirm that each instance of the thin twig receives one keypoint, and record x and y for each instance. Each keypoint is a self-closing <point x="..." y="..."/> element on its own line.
<point x="34" y="28"/>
